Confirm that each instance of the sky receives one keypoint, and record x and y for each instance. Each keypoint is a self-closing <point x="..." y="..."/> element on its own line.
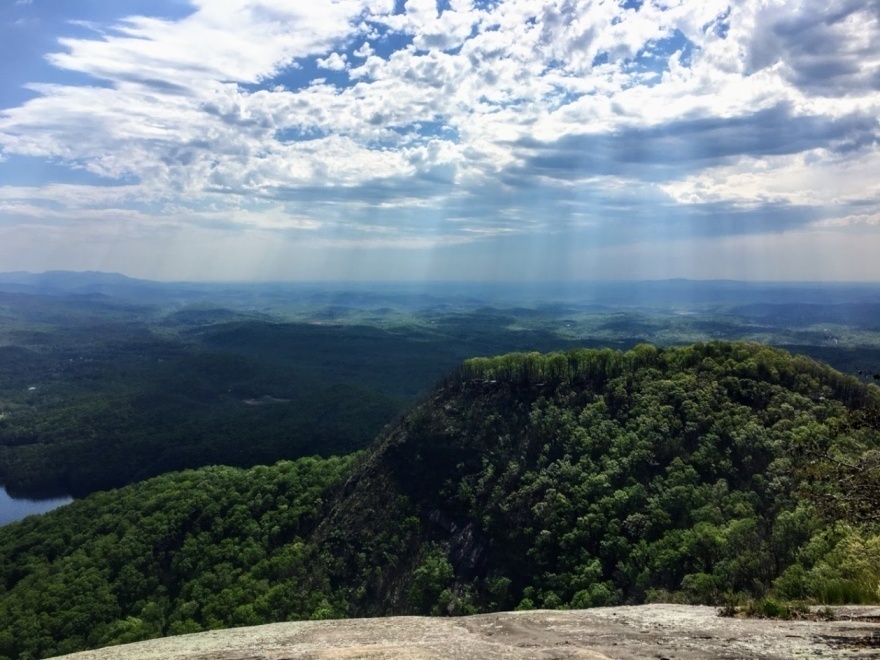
<point x="501" y="140"/>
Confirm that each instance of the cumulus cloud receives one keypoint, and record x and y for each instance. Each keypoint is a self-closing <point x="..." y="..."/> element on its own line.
<point x="816" y="178"/>
<point x="828" y="48"/>
<point x="319" y="116"/>
<point x="335" y="62"/>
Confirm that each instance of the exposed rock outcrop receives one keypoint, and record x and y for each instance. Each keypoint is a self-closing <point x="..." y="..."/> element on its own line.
<point x="640" y="633"/>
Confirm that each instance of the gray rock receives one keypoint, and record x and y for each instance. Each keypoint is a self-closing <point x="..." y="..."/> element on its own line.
<point x="648" y="632"/>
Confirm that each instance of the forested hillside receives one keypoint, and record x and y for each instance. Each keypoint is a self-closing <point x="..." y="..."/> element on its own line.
<point x="95" y="395"/>
<point x="179" y="553"/>
<point x="567" y="480"/>
<point x="98" y="392"/>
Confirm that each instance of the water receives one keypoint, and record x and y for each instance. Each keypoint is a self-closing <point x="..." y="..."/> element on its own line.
<point x="12" y="509"/>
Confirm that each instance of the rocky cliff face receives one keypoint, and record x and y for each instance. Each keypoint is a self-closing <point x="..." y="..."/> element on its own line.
<point x="637" y="633"/>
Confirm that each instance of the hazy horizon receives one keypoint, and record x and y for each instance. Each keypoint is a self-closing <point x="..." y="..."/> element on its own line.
<point x="442" y="140"/>
<point x="449" y="281"/>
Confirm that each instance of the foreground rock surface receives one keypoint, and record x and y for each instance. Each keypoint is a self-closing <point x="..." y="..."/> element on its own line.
<point x="676" y="632"/>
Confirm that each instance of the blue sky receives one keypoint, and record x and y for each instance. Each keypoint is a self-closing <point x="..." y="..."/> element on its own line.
<point x="441" y="139"/>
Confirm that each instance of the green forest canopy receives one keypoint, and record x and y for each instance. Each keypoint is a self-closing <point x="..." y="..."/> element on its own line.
<point x="587" y="478"/>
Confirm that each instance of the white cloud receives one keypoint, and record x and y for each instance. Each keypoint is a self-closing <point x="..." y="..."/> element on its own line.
<point x="189" y="114"/>
<point x="364" y="51"/>
<point x="238" y="40"/>
<point x="335" y="62"/>
<point x="865" y="220"/>
<point x="817" y="178"/>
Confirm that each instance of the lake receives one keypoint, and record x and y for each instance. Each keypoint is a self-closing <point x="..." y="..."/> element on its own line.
<point x="12" y="509"/>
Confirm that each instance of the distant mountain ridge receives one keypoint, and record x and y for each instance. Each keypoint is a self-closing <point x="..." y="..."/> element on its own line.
<point x="67" y="278"/>
<point x="58" y="282"/>
<point x="647" y="293"/>
<point x="333" y="298"/>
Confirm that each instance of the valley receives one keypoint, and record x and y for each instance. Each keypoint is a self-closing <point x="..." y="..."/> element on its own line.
<point x="106" y="380"/>
<point x="579" y="477"/>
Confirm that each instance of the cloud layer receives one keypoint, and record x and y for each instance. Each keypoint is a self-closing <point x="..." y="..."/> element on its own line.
<point x="459" y="130"/>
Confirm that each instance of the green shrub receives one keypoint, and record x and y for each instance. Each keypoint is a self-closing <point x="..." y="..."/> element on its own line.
<point x="792" y="584"/>
<point x="700" y="588"/>
<point x="840" y="591"/>
<point x="767" y="608"/>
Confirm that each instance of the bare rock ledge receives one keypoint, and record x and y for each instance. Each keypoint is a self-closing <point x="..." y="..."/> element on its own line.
<point x="676" y="632"/>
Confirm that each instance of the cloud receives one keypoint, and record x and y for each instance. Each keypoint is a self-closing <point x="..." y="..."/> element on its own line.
<point x="818" y="177"/>
<point x="335" y="62"/>
<point x="827" y="48"/>
<point x="460" y="122"/>
<point x="665" y="151"/>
